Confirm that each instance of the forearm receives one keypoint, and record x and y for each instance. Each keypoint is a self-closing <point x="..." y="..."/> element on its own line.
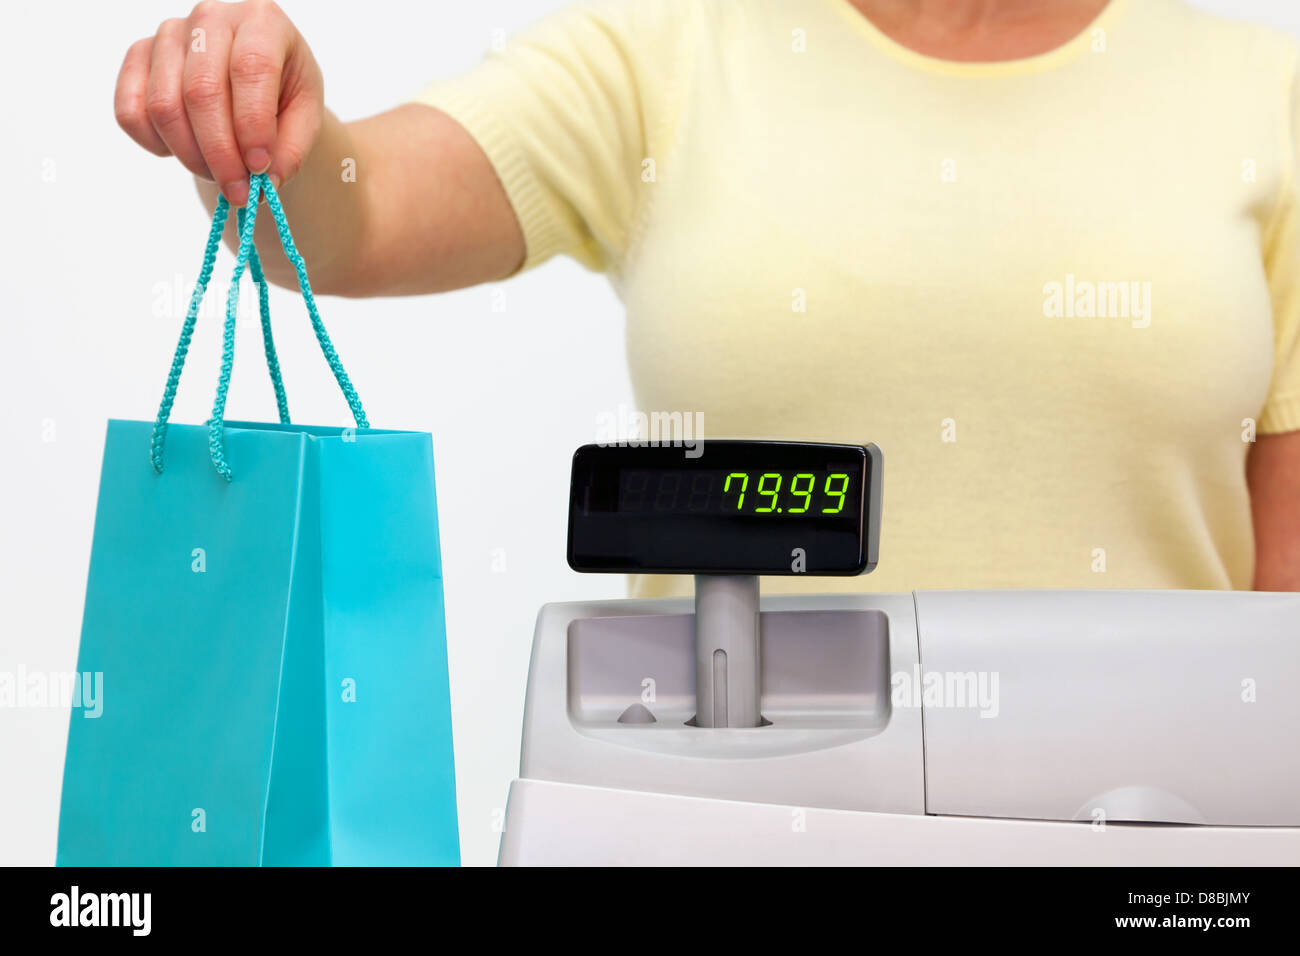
<point x="401" y="203"/>
<point x="324" y="211"/>
<point x="1273" y="475"/>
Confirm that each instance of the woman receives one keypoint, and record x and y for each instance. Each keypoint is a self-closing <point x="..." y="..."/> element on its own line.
<point x="1043" y="253"/>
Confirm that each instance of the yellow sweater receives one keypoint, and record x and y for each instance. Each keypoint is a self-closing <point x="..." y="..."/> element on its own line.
<point x="1060" y="293"/>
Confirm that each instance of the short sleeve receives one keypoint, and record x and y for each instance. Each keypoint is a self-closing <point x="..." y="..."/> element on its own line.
<point x="567" y="112"/>
<point x="1282" y="262"/>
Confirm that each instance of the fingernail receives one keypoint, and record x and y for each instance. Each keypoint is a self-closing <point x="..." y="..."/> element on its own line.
<point x="236" y="193"/>
<point x="275" y="179"/>
<point x="257" y="160"/>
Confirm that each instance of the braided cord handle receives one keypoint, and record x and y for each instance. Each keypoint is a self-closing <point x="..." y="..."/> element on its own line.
<point x="268" y="341"/>
<point x="187" y="332"/>
<point x="322" y="337"/>
<point x="246" y="258"/>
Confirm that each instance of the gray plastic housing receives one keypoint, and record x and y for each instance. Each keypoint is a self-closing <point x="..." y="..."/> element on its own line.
<point x="1158" y="706"/>
<point x="830" y="713"/>
<point x="1165" y="706"/>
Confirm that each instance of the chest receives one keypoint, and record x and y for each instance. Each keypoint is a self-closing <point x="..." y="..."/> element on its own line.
<point x="836" y="230"/>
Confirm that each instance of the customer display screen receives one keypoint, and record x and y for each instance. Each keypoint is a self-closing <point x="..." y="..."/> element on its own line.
<point x="743" y="507"/>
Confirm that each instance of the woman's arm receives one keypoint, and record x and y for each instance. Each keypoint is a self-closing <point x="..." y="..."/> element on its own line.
<point x="1273" y="475"/>
<point x="426" y="212"/>
<point x="234" y="89"/>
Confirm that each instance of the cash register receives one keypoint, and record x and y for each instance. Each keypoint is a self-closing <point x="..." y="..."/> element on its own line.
<point x="934" y="727"/>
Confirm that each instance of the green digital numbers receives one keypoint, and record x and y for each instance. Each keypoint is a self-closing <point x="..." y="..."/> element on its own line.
<point x="807" y="492"/>
<point x="744" y="483"/>
<point x="774" y="492"/>
<point x="798" y="493"/>
<point x="836" y="492"/>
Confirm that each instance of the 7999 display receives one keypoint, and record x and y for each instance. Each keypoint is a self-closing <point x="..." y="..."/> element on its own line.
<point x="676" y="492"/>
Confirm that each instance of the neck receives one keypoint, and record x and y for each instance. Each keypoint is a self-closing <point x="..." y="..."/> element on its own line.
<point x="978" y="30"/>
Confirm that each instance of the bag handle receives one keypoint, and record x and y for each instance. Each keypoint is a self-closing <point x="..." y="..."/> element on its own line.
<point x="246" y="257"/>
<point x="264" y="311"/>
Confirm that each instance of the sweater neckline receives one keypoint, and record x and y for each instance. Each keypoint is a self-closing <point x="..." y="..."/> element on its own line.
<point x="1080" y="43"/>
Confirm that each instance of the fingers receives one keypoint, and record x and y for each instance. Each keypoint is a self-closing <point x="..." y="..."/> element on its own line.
<point x="129" y="98"/>
<point x="205" y="89"/>
<point x="231" y="89"/>
<point x="300" y="121"/>
<point x="164" y="96"/>
<point x="257" y="56"/>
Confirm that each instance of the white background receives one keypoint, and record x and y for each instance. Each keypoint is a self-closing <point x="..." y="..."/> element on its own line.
<point x="99" y="244"/>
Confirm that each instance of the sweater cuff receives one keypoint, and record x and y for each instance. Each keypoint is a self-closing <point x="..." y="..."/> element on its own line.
<point x="1282" y="414"/>
<point x="543" y="235"/>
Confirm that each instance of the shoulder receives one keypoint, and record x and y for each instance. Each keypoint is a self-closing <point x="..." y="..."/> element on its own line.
<point x="651" y="24"/>
<point x="641" y="42"/>
<point x="627" y="22"/>
<point x="1220" y="47"/>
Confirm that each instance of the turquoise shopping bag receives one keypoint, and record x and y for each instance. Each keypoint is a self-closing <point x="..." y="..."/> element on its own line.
<point x="265" y="607"/>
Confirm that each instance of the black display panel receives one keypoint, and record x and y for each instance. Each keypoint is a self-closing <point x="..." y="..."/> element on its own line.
<point x="738" y="507"/>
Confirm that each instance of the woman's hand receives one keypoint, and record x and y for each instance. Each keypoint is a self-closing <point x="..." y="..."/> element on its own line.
<point x="232" y="89"/>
